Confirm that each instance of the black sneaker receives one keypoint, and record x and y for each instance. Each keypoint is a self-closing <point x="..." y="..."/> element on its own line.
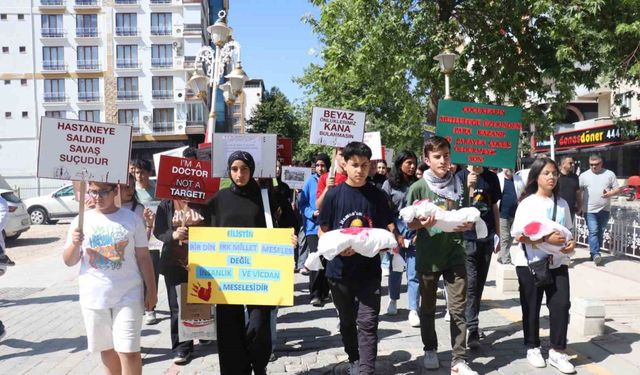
<point x="205" y="342"/>
<point x="182" y="358"/>
<point x="316" y="301"/>
<point x="272" y="357"/>
<point x="473" y="340"/>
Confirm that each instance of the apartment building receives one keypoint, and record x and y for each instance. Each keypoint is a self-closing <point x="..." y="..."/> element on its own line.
<point x="241" y="111"/>
<point x="115" y="61"/>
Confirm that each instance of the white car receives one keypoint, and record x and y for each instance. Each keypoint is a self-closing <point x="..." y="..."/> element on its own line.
<point x="18" y="217"/>
<point x="46" y="209"/>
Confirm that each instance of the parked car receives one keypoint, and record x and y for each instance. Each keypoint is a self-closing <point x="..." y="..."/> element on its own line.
<point x="18" y="217"/>
<point x="47" y="209"/>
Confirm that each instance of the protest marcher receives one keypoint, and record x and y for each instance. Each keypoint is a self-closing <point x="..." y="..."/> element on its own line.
<point x="511" y="186"/>
<point x="599" y="185"/>
<point x="355" y="280"/>
<point x="326" y="182"/>
<point x="114" y="263"/>
<point x="129" y="200"/>
<point x="282" y="187"/>
<point x="380" y="175"/>
<point x="245" y="346"/>
<point x="145" y="192"/>
<point x="396" y="187"/>
<point x="172" y="222"/>
<point x="420" y="170"/>
<point x="569" y="186"/>
<point x="484" y="194"/>
<point x="441" y="254"/>
<point x="540" y="200"/>
<point x="318" y="287"/>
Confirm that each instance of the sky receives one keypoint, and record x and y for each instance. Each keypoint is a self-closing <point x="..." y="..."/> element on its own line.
<point x="276" y="44"/>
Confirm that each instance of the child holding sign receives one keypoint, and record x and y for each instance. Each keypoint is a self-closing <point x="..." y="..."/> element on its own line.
<point x="114" y="263"/>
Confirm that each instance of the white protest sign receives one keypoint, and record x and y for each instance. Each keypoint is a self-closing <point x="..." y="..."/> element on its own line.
<point x="336" y="127"/>
<point x="295" y="176"/>
<point x="388" y="155"/>
<point x="175" y="152"/>
<point x="374" y="141"/>
<point x="261" y="146"/>
<point x="83" y="150"/>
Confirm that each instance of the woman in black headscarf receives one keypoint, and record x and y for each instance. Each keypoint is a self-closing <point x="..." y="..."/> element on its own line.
<point x="244" y="347"/>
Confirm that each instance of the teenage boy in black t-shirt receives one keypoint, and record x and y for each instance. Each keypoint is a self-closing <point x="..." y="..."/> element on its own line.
<point x="354" y="278"/>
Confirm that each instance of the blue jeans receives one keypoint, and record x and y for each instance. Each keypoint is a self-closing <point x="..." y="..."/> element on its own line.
<point x="596" y="223"/>
<point x="413" y="282"/>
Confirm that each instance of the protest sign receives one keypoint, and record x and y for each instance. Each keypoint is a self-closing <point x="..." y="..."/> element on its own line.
<point x="388" y="155"/>
<point x="480" y="134"/>
<point x="261" y="146"/>
<point x="185" y="179"/>
<point x="336" y="127"/>
<point x="252" y="266"/>
<point x="196" y="321"/>
<point x="295" y="176"/>
<point x="176" y="152"/>
<point x="83" y="150"/>
<point x="285" y="151"/>
<point x="374" y="141"/>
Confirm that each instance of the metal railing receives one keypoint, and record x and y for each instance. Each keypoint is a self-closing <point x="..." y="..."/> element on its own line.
<point x="127" y="64"/>
<point x="621" y="236"/>
<point x="49" y="3"/>
<point x="161" y="62"/>
<point x="192" y="28"/>
<point x="52" y="32"/>
<point x="88" y="96"/>
<point x="161" y="30"/>
<point x="127" y="31"/>
<point x="128" y="95"/>
<point x="162" y="94"/>
<point x="86" y="32"/>
<point x="160" y="2"/>
<point x="54" y="65"/>
<point x="127" y="2"/>
<point x="163" y="127"/>
<point x="83" y="3"/>
<point x="88" y="65"/>
<point x="55" y="97"/>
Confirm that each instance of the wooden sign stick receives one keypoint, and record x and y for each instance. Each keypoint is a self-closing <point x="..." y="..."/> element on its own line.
<point x="82" y="198"/>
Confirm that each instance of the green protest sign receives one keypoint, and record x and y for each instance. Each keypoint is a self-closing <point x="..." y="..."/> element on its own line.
<point x="480" y="134"/>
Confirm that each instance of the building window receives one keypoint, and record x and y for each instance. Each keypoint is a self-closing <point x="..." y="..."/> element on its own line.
<point x="126" y="24"/>
<point x="3" y="17"/>
<point x="7" y="115"/>
<point x="54" y="90"/>
<point x="20" y="17"/>
<point x="52" y="58"/>
<point x="25" y="114"/>
<point x="160" y="23"/>
<point x="56" y="114"/>
<point x="161" y="55"/>
<point x="7" y="81"/>
<point x="88" y="89"/>
<point x="5" y="49"/>
<point x="93" y="115"/>
<point x="86" y="25"/>
<point x="52" y="25"/>
<point x="128" y="117"/>
<point x="163" y="120"/>
<point x="23" y="82"/>
<point x="88" y="57"/>
<point x="127" y="56"/>
<point x="23" y="49"/>
<point x="162" y="87"/>
<point x="128" y="88"/>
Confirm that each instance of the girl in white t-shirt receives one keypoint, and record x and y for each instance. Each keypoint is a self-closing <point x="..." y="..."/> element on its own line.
<point x="114" y="263"/>
<point x="538" y="201"/>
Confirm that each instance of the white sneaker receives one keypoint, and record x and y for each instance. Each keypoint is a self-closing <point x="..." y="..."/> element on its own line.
<point x="150" y="318"/>
<point x="392" y="307"/>
<point x="354" y="368"/>
<point x="447" y="316"/>
<point x="462" y="368"/>
<point x="561" y="362"/>
<point x="414" y="318"/>
<point x="534" y="356"/>
<point x="430" y="360"/>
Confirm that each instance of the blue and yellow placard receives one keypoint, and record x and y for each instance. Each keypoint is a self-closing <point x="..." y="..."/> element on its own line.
<point x="241" y="266"/>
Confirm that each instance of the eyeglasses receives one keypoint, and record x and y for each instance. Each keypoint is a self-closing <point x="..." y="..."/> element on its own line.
<point x="99" y="193"/>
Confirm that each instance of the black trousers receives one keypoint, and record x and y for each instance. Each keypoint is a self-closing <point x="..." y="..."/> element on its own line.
<point x="242" y="347"/>
<point x="358" y="304"/>
<point x="478" y="260"/>
<point x="558" y="303"/>
<point x="155" y="260"/>
<point x="174" y="310"/>
<point x="318" y="286"/>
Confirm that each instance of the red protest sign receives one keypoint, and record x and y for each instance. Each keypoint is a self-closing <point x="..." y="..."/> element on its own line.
<point x="185" y="179"/>
<point x="284" y="151"/>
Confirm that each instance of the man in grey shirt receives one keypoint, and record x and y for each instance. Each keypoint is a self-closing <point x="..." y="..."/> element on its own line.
<point x="599" y="185"/>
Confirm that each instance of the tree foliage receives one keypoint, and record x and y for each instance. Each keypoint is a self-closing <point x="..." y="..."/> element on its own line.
<point x="276" y="115"/>
<point x="378" y="56"/>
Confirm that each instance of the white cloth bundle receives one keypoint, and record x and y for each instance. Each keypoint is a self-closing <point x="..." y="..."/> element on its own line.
<point x="364" y="241"/>
<point x="536" y="229"/>
<point x="446" y="221"/>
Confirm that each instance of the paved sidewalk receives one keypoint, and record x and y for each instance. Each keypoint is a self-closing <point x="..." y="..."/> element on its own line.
<point x="38" y="305"/>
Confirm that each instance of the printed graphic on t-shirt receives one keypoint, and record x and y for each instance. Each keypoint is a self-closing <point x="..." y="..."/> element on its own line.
<point x="356" y="219"/>
<point x="106" y="247"/>
<point x="481" y="201"/>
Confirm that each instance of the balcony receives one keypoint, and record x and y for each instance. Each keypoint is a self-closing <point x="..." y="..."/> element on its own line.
<point x="128" y="96"/>
<point x="88" y="65"/>
<point x="126" y="3"/>
<point x="52" y="32"/>
<point x="54" y="66"/>
<point x="162" y="62"/>
<point x="127" y="64"/>
<point x="127" y="31"/>
<point x="52" y="4"/>
<point x="55" y="97"/>
<point x="195" y="127"/>
<point x="162" y="30"/>
<point x="87" y="4"/>
<point x="162" y="94"/>
<point x="86" y="32"/>
<point x="88" y="97"/>
<point x="163" y="128"/>
<point x="193" y="29"/>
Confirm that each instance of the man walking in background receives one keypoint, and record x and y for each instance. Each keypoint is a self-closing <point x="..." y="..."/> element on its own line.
<point x="569" y="187"/>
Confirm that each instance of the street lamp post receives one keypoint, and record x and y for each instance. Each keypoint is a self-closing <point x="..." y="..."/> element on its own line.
<point x="446" y="60"/>
<point x="212" y="62"/>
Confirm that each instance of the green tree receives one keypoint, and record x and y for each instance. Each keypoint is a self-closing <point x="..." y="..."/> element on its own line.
<point x="377" y="56"/>
<point x="276" y="115"/>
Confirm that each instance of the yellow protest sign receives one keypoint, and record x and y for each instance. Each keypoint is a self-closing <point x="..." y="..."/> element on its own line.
<point x="243" y="266"/>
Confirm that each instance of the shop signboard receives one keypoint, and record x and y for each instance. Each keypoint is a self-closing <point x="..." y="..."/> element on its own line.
<point x="591" y="137"/>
